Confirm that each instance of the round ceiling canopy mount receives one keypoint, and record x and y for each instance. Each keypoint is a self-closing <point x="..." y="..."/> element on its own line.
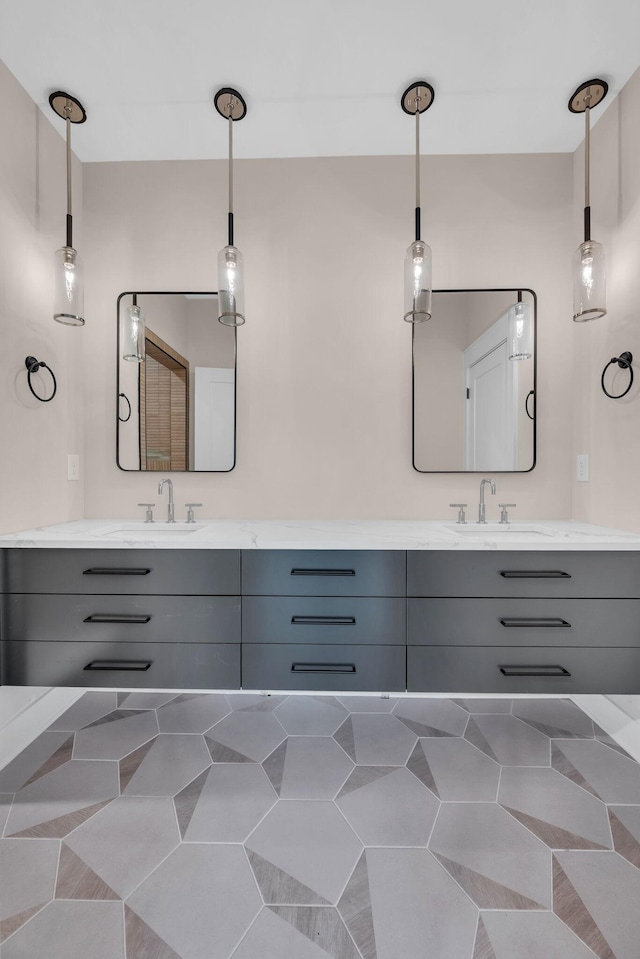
<point x="409" y="100"/>
<point x="227" y="98"/>
<point x="61" y="103"/>
<point x="593" y="90"/>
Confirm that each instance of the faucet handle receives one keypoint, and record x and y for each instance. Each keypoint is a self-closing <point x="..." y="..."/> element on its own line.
<point x="504" y="516"/>
<point x="461" y="514"/>
<point x="149" y="514"/>
<point x="190" y="508"/>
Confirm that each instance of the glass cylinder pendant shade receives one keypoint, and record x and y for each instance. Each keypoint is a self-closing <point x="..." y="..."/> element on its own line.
<point x="589" y="282"/>
<point x="133" y="335"/>
<point x="68" y="293"/>
<point x="417" y="283"/>
<point x="520" y="332"/>
<point x="230" y="286"/>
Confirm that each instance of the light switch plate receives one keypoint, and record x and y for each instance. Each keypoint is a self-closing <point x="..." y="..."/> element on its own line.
<point x="73" y="466"/>
<point x="582" y="467"/>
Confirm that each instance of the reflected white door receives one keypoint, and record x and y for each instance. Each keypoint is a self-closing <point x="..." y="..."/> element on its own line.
<point x="491" y="380"/>
<point x="213" y="418"/>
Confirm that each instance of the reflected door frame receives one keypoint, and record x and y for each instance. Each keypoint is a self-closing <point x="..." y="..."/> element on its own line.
<point x="175" y="362"/>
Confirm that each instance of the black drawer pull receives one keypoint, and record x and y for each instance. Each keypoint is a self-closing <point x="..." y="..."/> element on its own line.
<point x="534" y="671"/>
<point x="116" y="618"/>
<point x="323" y="668"/>
<point x="115" y="571"/>
<point x="323" y="620"/>
<point x="544" y="621"/>
<point x="121" y="665"/>
<point x="535" y="574"/>
<point x="323" y="572"/>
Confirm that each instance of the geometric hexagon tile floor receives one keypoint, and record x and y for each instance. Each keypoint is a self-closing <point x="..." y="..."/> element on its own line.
<point x="198" y="826"/>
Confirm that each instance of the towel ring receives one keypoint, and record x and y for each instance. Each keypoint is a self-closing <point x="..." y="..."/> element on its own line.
<point x="624" y="361"/>
<point x="526" y="404"/>
<point x="124" y="419"/>
<point x="33" y="365"/>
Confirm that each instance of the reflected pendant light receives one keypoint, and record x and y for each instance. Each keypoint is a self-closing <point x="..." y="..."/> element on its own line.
<point x="520" y="331"/>
<point x="589" y="270"/>
<point x="417" y="263"/>
<point x="133" y="333"/>
<point x="232" y="107"/>
<point x="68" y="294"/>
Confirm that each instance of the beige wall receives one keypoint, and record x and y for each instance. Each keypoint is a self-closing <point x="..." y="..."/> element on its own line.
<point x="609" y="430"/>
<point x="324" y="361"/>
<point x="35" y="438"/>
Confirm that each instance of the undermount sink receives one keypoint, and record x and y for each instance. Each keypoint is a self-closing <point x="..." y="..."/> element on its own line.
<point x="499" y="529"/>
<point x="150" y="530"/>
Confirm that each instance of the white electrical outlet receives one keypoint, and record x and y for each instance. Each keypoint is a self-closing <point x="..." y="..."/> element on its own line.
<point x="73" y="466"/>
<point x="582" y="467"/>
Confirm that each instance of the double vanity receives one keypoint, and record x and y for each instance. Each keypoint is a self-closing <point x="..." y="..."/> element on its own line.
<point x="380" y="606"/>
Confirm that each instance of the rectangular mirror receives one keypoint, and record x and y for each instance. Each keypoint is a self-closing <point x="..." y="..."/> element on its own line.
<point x="474" y="382"/>
<point x="176" y="384"/>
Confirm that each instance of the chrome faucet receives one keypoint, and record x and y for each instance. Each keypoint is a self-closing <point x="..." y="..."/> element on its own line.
<point x="481" y="508"/>
<point x="170" y="511"/>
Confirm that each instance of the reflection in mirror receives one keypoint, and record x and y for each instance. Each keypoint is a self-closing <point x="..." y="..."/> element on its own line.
<point x="179" y="381"/>
<point x="474" y="373"/>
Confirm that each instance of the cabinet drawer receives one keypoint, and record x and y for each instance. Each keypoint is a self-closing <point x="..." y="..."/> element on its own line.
<point x="184" y="666"/>
<point x="140" y="619"/>
<point x="534" y="622"/>
<point x="130" y="571"/>
<point x="298" y="666"/>
<point x="514" y="573"/>
<point x="318" y="572"/>
<point x="523" y="669"/>
<point x="313" y="619"/>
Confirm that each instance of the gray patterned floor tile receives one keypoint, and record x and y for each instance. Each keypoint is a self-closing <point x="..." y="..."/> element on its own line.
<point x="308" y="767"/>
<point x="115" y="739"/>
<point x="320" y="925"/>
<point x="231" y="801"/>
<point x="142" y="941"/>
<point x="311" y="842"/>
<point x="432" y="717"/>
<point x="126" y="840"/>
<point x="597" y="895"/>
<point x="252" y="736"/>
<point x="531" y="935"/>
<point x="499" y="863"/>
<point x="392" y="810"/>
<point x="311" y="715"/>
<point x="454" y="770"/>
<point x="271" y="937"/>
<point x="255" y="702"/>
<point x="376" y="740"/>
<point x="55" y="804"/>
<point x="141" y="700"/>
<point x="70" y="930"/>
<point x="166" y="767"/>
<point x="608" y="774"/>
<point x="558" y="812"/>
<point x="192" y="713"/>
<point x="416" y="908"/>
<point x="484" y="705"/>
<point x="368" y="704"/>
<point x="553" y="717"/>
<point x="86" y="710"/>
<point x="625" y="828"/>
<point x="200" y="901"/>
<point x="27" y="879"/>
<point x="6" y="800"/>
<point x="508" y="740"/>
<point x="31" y="761"/>
<point x="76" y="880"/>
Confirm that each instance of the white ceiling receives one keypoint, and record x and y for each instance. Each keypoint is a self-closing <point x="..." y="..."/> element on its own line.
<point x="321" y="77"/>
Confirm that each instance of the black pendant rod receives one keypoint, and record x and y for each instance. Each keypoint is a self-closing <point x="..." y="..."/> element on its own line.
<point x="230" y="217"/>
<point x="69" y="216"/>
<point x="587" y="168"/>
<point x="418" y="213"/>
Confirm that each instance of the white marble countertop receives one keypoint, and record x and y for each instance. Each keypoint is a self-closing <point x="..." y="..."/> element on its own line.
<point x="324" y="534"/>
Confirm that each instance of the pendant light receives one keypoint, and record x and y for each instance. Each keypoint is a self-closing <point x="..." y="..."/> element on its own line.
<point x="133" y="333"/>
<point x="68" y="294"/>
<point x="589" y="270"/>
<point x="520" y="331"/>
<point x="417" y="263"/>
<point x="232" y="107"/>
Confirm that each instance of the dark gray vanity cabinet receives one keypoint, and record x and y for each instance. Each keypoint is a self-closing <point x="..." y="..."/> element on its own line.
<point x="324" y="619"/>
<point x="113" y="617"/>
<point x="539" y="622"/>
